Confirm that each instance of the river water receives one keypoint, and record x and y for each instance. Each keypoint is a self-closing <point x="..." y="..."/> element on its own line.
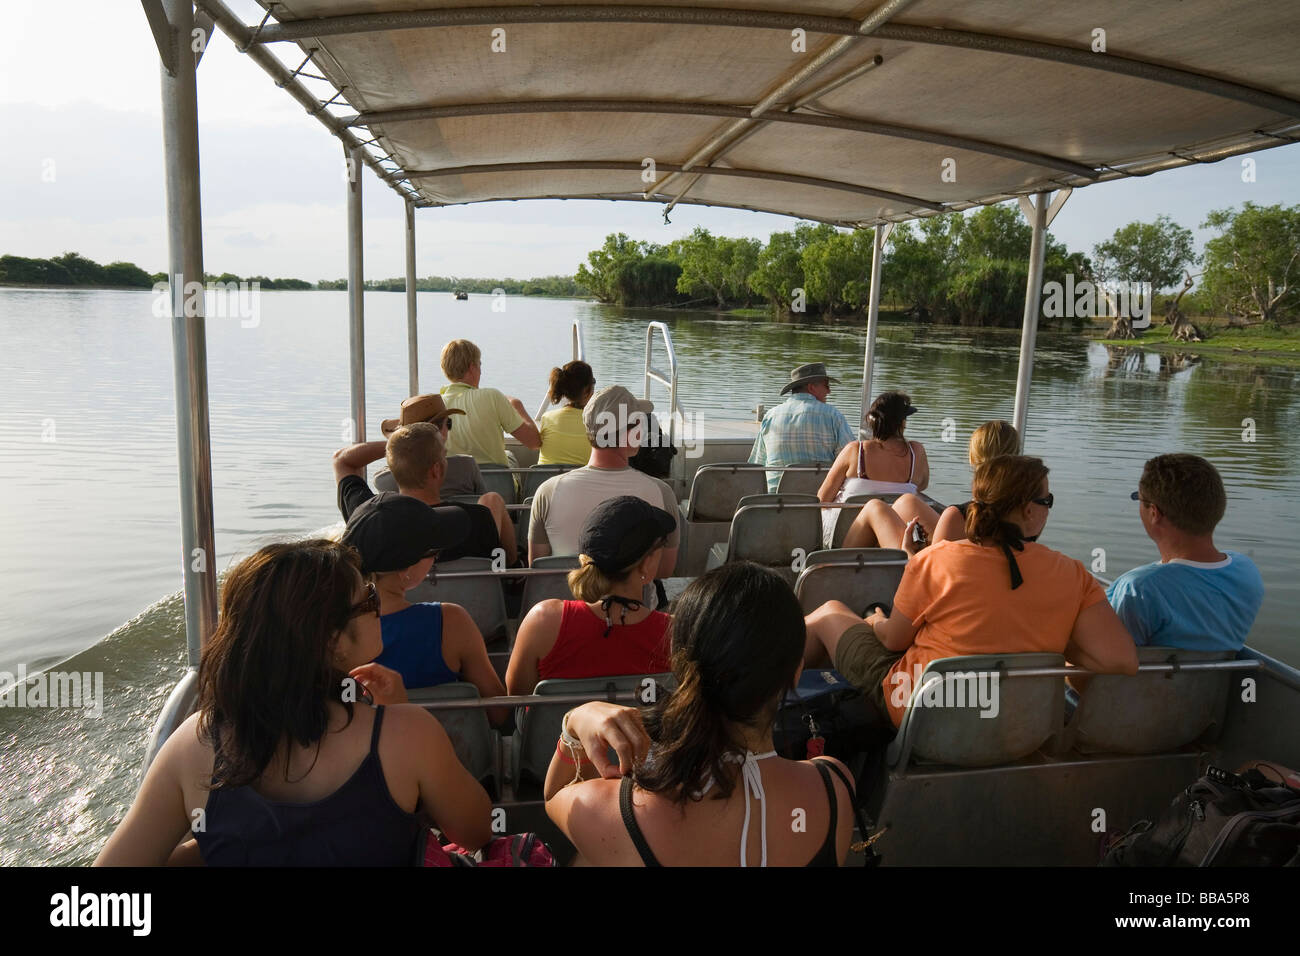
<point x="89" y="498"/>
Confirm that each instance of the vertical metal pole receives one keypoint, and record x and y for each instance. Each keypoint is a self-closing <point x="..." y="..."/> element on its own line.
<point x="412" y="346"/>
<point x="356" y="289"/>
<point x="180" y="123"/>
<point x="873" y="320"/>
<point x="1033" y="305"/>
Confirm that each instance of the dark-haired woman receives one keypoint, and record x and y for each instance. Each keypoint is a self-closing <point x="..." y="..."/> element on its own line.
<point x="997" y="592"/>
<point x="607" y="631"/>
<point x="564" y="437"/>
<point x="698" y="782"/>
<point x="887" y="463"/>
<point x="281" y="765"/>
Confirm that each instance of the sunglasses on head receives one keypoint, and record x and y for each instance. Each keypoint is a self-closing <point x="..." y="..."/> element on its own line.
<point x="368" y="603"/>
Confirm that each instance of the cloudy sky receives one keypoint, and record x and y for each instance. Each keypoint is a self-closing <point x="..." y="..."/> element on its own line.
<point x="79" y="96"/>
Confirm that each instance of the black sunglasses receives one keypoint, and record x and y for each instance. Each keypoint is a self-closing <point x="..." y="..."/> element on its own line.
<point x="1045" y="502"/>
<point x="368" y="603"/>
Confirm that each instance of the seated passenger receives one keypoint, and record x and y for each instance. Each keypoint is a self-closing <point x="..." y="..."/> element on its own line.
<point x="615" y="422"/>
<point x="607" y="631"/>
<point x="488" y="412"/>
<point x="1195" y="597"/>
<point x="805" y="429"/>
<point x="698" y="782"/>
<point x="564" y="437"/>
<point x="886" y="464"/>
<point x="997" y="592"/>
<point x="428" y="643"/>
<point x="463" y="477"/>
<point x="880" y="524"/>
<point x="417" y="458"/>
<point x="283" y="769"/>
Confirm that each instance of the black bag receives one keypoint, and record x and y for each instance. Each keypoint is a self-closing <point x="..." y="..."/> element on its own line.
<point x="825" y="714"/>
<point x="1223" y="819"/>
<point x="655" y="456"/>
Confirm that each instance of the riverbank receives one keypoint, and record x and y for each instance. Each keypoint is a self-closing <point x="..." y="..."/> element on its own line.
<point x="1270" y="345"/>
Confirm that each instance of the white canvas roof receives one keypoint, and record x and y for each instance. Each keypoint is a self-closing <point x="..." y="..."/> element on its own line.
<point x="942" y="104"/>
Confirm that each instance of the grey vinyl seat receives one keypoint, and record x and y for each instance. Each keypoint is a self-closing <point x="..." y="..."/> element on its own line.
<point x="1154" y="712"/>
<point x="804" y="482"/>
<point x="1029" y="711"/>
<point x="848" y="515"/>
<point x="521" y="527"/>
<point x="384" y="481"/>
<point x="482" y="596"/>
<point x="765" y="532"/>
<point x="705" y="517"/>
<point x="856" y="576"/>
<point x="538" y="727"/>
<point x="471" y="735"/>
<point x="536" y="474"/>
<point x="497" y="478"/>
<point x="549" y="587"/>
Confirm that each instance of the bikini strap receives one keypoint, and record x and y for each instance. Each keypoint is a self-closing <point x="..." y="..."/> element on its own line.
<point x="633" y="828"/>
<point x="911" y="470"/>
<point x="859" y="817"/>
<point x="830" y="796"/>
<point x="862" y="459"/>
<point x="374" y="732"/>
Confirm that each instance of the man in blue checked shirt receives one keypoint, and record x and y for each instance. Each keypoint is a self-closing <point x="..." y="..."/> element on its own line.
<point x="804" y="429"/>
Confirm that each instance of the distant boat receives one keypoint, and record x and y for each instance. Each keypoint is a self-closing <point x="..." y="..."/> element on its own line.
<point x="461" y="295"/>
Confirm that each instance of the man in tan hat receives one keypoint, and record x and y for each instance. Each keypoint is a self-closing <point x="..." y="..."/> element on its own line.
<point x="417" y="459"/>
<point x="463" y="477"/>
<point x="805" y="429"/>
<point x="616" y="423"/>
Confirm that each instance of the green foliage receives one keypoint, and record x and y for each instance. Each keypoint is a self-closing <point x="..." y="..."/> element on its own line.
<point x="1156" y="252"/>
<point x="716" y="266"/>
<point x="1252" y="267"/>
<point x="73" y="269"/>
<point x="837" y="270"/>
<point x="649" y="281"/>
<point x="601" y="278"/>
<point x="779" y="270"/>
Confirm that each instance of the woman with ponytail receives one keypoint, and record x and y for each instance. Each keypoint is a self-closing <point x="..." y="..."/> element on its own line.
<point x="697" y="781"/>
<point x="996" y="592"/>
<point x="564" y="437"/>
<point x="607" y="631"/>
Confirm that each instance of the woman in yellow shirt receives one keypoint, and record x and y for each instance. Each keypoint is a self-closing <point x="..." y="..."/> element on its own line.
<point x="564" y="437"/>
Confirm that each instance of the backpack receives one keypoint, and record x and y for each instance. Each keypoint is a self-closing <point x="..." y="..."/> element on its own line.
<point x="517" y="849"/>
<point x="1223" y="819"/>
<point x="825" y="714"/>
<point x="655" y="456"/>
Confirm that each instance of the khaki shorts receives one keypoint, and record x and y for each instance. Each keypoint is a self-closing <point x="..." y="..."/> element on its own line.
<point x="861" y="658"/>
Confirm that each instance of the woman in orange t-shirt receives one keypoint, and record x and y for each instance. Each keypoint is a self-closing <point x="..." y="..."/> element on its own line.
<point x="999" y="591"/>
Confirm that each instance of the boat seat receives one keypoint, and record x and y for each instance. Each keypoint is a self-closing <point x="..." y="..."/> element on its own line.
<point x="552" y="586"/>
<point x="471" y="735"/>
<point x="856" y="576"/>
<point x="1154" y="712"/>
<point x="804" y="482"/>
<point x="538" y="727"/>
<point x="497" y="478"/>
<point x="705" y="518"/>
<point x="384" y="481"/>
<point x="521" y="528"/>
<point x="536" y="474"/>
<point x="766" y="533"/>
<point x="849" y="515"/>
<point x="1030" y="710"/>
<point x="482" y="597"/>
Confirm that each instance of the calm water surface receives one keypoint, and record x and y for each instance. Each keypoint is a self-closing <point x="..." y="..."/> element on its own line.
<point x="89" y="511"/>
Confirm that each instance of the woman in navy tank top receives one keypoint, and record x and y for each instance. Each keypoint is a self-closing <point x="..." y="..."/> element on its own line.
<point x="282" y="764"/>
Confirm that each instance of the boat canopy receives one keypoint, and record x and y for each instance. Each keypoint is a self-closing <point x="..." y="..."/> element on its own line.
<point x="843" y="112"/>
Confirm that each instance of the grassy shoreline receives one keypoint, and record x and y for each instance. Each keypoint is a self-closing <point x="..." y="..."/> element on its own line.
<point x="1257" y="343"/>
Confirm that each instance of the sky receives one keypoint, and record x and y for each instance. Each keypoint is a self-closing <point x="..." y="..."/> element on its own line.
<point x="81" y="170"/>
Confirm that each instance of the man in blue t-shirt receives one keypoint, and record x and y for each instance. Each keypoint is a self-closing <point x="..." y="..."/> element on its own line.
<point x="1196" y="597"/>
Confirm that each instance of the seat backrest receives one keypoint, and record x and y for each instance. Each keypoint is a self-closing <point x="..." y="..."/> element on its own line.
<point x="539" y="588"/>
<point x="771" y="536"/>
<point x="481" y="596"/>
<point x="856" y="576"/>
<point x="538" y="727"/>
<point x="804" y="482"/>
<point x="497" y="478"/>
<point x="848" y="515"/>
<point x="537" y="474"/>
<point x="717" y="489"/>
<point x="1153" y="712"/>
<point x="469" y="730"/>
<point x="521" y="527"/>
<point x="964" y="713"/>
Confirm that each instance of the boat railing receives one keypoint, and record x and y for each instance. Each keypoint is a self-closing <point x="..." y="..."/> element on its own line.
<point x="579" y="352"/>
<point x="667" y="379"/>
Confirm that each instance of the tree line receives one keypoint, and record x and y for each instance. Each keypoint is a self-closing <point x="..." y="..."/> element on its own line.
<point x="964" y="269"/>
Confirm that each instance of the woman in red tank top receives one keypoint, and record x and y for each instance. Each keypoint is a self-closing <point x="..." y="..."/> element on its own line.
<point x="607" y="631"/>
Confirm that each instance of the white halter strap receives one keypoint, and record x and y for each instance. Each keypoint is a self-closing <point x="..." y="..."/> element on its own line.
<point x="753" y="783"/>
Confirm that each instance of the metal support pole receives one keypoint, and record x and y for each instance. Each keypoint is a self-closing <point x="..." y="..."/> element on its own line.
<point x="1033" y="305"/>
<point x="356" y="289"/>
<point x="180" y="123"/>
<point x="412" y="346"/>
<point x="873" y="320"/>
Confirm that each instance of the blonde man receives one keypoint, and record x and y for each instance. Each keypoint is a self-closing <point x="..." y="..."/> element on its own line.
<point x="488" y="412"/>
<point x="418" y="462"/>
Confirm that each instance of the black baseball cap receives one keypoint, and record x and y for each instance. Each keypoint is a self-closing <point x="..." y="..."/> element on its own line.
<point x="394" y="531"/>
<point x="620" y="531"/>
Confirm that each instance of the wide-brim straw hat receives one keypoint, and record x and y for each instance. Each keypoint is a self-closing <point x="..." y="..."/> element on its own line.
<point x="419" y="408"/>
<point x="804" y="374"/>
